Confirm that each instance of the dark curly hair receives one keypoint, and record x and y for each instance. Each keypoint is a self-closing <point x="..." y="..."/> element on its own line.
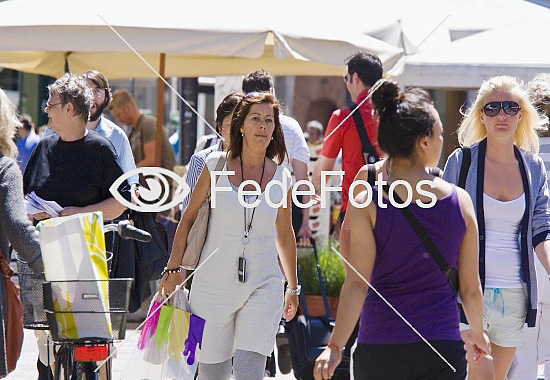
<point x="403" y="117"/>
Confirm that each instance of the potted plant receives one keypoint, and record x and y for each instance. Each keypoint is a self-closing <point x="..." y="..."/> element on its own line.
<point x="332" y="270"/>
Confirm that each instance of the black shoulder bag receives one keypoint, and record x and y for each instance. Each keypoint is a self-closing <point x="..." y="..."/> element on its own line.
<point x="369" y="154"/>
<point x="448" y="271"/>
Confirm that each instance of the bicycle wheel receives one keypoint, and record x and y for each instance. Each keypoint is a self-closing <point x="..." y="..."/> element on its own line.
<point x="64" y="363"/>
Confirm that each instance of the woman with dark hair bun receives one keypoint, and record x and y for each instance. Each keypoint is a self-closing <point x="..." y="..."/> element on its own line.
<point x="388" y="253"/>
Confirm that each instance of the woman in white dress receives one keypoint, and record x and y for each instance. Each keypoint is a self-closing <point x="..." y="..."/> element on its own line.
<point x="239" y="290"/>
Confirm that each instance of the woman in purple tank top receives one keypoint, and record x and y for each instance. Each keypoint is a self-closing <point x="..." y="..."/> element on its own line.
<point x="387" y="252"/>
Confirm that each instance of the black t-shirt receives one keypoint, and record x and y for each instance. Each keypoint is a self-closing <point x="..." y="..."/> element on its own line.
<point x="77" y="173"/>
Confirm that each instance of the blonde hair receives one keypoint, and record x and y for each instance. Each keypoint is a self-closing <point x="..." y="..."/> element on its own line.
<point x="120" y="99"/>
<point x="8" y="124"/>
<point x="472" y="130"/>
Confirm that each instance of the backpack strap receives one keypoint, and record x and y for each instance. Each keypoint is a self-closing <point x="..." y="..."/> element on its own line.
<point x="450" y="273"/>
<point x="369" y="154"/>
<point x="371" y="174"/>
<point x="466" y="160"/>
<point x="435" y="171"/>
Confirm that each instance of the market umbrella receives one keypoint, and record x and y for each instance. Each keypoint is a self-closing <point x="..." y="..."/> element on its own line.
<point x="516" y="49"/>
<point x="177" y="38"/>
<point x="406" y="24"/>
<point x="191" y="34"/>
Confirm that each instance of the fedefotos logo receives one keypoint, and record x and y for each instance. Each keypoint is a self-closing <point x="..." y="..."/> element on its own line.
<point x="155" y="189"/>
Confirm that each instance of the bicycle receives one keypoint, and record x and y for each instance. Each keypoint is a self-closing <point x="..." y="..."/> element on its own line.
<point x="98" y="307"/>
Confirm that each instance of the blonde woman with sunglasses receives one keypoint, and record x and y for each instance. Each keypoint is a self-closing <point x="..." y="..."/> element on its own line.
<point x="507" y="182"/>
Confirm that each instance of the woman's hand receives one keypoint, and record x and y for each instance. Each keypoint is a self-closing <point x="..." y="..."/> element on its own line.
<point x="291" y="306"/>
<point x="479" y="345"/>
<point x="327" y="362"/>
<point x="170" y="281"/>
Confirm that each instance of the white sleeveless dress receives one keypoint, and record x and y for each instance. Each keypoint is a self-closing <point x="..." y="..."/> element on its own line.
<point x="242" y="316"/>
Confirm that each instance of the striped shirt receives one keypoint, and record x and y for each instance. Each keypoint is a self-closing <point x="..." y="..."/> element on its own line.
<point x="194" y="170"/>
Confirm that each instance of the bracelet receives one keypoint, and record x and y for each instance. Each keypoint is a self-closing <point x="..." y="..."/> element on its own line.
<point x="293" y="292"/>
<point x="170" y="271"/>
<point x="335" y="346"/>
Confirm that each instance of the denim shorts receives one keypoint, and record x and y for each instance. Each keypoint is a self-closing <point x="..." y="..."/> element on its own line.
<point x="504" y="312"/>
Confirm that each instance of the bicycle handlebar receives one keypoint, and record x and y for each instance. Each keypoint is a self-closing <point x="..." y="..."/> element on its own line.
<point x="127" y="231"/>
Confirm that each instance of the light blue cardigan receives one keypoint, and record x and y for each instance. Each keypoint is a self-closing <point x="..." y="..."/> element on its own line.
<point x="535" y="224"/>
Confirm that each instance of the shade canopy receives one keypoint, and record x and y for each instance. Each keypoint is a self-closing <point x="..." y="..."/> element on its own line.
<point x="198" y="38"/>
<point x="517" y="49"/>
<point x="407" y="24"/>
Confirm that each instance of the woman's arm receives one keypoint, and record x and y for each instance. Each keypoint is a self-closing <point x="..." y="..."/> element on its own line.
<point x="286" y="246"/>
<point x="14" y="221"/>
<point x="541" y="220"/>
<point x="468" y="277"/>
<point x="110" y="207"/>
<point x="170" y="281"/>
<point x="354" y="290"/>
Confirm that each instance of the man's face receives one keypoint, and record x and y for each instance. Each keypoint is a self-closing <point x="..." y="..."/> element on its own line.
<point x="54" y="109"/>
<point x="22" y="132"/>
<point x="99" y="100"/>
<point x="348" y="78"/>
<point x="121" y="115"/>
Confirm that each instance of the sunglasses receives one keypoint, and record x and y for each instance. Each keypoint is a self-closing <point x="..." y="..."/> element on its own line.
<point x="493" y="108"/>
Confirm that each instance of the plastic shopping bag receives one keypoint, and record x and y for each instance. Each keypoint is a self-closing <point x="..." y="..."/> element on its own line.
<point x="169" y="342"/>
<point x="73" y="248"/>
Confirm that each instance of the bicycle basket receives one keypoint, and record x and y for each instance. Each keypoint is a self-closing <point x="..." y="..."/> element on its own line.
<point x="34" y="316"/>
<point x="87" y="309"/>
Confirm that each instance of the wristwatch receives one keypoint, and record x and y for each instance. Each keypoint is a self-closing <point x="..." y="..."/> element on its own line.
<point x="293" y="292"/>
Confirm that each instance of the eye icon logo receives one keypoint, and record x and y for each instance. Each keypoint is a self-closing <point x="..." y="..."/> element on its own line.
<point x="153" y="195"/>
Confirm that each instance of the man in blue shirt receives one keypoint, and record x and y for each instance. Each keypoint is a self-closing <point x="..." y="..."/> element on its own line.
<point x="28" y="140"/>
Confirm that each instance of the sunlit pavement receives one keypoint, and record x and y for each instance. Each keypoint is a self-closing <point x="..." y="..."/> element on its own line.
<point x="26" y="366"/>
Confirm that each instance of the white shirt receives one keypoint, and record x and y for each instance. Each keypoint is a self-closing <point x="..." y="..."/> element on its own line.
<point x="296" y="145"/>
<point x="502" y="253"/>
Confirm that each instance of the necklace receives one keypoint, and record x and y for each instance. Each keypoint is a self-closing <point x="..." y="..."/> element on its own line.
<point x="248" y="226"/>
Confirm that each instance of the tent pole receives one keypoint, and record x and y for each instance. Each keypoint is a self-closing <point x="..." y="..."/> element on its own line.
<point x="160" y="111"/>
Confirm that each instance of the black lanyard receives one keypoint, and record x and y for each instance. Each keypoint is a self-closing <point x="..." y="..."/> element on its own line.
<point x="248" y="226"/>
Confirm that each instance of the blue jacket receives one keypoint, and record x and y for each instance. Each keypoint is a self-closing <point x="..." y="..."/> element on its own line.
<point x="535" y="224"/>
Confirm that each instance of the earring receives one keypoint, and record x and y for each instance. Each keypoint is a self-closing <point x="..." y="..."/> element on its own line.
<point x="242" y="134"/>
<point x="271" y="137"/>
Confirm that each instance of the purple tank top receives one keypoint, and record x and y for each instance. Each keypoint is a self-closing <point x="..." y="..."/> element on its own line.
<point x="409" y="278"/>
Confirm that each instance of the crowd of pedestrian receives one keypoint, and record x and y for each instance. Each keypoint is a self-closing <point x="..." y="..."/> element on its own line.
<point x="449" y="284"/>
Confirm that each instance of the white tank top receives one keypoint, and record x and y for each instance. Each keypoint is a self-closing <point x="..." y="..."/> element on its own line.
<point x="502" y="240"/>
